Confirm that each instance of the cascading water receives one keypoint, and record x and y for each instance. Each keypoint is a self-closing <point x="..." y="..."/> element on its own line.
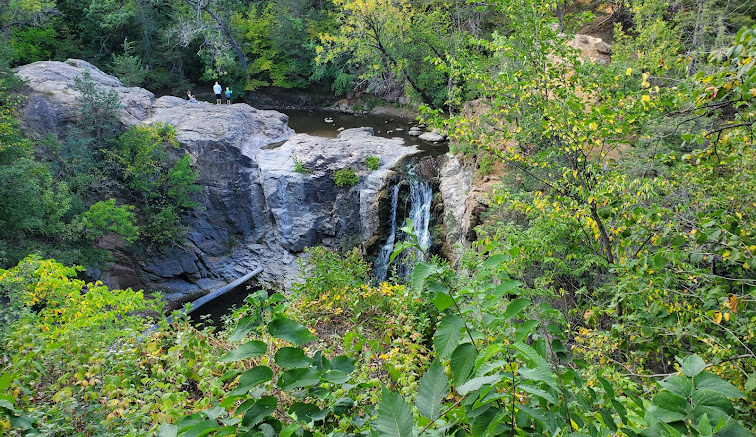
<point x="420" y="197"/>
<point x="381" y="263"/>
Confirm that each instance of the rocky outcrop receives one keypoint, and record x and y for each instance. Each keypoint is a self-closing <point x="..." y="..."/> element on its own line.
<point x="256" y="210"/>
<point x="307" y="207"/>
<point x="463" y="203"/>
<point x="592" y="48"/>
<point x="52" y="104"/>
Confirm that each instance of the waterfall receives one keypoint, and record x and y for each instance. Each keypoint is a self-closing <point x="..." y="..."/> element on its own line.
<point x="420" y="197"/>
<point x="381" y="263"/>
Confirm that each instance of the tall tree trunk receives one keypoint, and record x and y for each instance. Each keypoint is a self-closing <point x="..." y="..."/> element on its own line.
<point x="229" y="36"/>
<point x="696" y="36"/>
<point x="604" y="240"/>
<point x="204" y="5"/>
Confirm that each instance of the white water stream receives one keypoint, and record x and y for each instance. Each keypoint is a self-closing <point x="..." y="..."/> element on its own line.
<point x="420" y="197"/>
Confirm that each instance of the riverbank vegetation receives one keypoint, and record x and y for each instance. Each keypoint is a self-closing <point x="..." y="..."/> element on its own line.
<point x="610" y="292"/>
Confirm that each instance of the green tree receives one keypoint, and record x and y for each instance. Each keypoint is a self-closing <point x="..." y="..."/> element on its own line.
<point x="161" y="186"/>
<point x="387" y="39"/>
<point x="99" y="110"/>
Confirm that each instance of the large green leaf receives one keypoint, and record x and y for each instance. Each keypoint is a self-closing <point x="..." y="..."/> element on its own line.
<point x="462" y="362"/>
<point x="394" y="416"/>
<point x="442" y="301"/>
<point x="524" y="329"/>
<point x="670" y="407"/>
<point x="707" y="398"/>
<point x="202" y="428"/>
<point x="710" y="381"/>
<point x="482" y="421"/>
<point x="167" y="430"/>
<point x="421" y="273"/>
<point x="494" y="261"/>
<point x="447" y="335"/>
<point x="290" y="330"/>
<point x="289" y="430"/>
<point x="476" y="383"/>
<point x="250" y="349"/>
<point x="537" y="392"/>
<point x="692" y="365"/>
<point x="433" y="387"/>
<point x="294" y="378"/>
<point x="343" y="363"/>
<point x="303" y="411"/>
<point x="506" y="287"/>
<point x="265" y="406"/>
<point x="678" y="384"/>
<point x="538" y="369"/>
<point x="251" y="378"/>
<point x="244" y="326"/>
<point x="288" y="357"/>
<point x="335" y="376"/>
<point x="732" y="428"/>
<point x="515" y="307"/>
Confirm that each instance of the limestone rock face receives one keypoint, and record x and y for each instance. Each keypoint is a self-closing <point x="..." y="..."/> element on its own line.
<point x="309" y="208"/>
<point x="592" y="48"/>
<point x="462" y="208"/>
<point x="52" y="105"/>
<point x="256" y="210"/>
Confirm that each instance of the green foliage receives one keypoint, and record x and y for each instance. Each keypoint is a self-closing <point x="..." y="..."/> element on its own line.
<point x="485" y="163"/>
<point x="656" y="47"/>
<point x="128" y="67"/>
<point x="105" y="217"/>
<point x="300" y="168"/>
<point x="98" y="109"/>
<point x="330" y="271"/>
<point x="372" y="162"/>
<point x="298" y="388"/>
<point x="159" y="186"/>
<point x="513" y="373"/>
<point x="376" y="39"/>
<point x="345" y="176"/>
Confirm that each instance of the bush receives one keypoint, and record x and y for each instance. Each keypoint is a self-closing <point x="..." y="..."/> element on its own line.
<point x="299" y="167"/>
<point x="345" y="176"/>
<point x="372" y="162"/>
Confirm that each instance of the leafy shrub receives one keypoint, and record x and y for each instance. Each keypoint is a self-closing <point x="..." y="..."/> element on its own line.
<point x="372" y="162"/>
<point x="159" y="189"/>
<point x="104" y="217"/>
<point x="345" y="176"/>
<point x="485" y="163"/>
<point x="98" y="109"/>
<point x="299" y="167"/>
<point x="328" y="270"/>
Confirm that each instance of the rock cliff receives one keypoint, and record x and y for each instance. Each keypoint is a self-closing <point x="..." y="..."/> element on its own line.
<point x="256" y="209"/>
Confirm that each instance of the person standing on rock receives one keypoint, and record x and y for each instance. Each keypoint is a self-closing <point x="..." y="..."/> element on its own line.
<point x="228" y="96"/>
<point x="218" y="91"/>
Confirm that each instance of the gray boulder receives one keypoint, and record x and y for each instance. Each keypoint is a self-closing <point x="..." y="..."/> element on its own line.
<point x="432" y="137"/>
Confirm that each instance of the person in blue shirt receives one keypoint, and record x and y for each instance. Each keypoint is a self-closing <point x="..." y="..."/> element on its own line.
<point x="228" y="96"/>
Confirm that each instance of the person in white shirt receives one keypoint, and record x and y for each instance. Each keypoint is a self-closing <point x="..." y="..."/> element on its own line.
<point x="218" y="90"/>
